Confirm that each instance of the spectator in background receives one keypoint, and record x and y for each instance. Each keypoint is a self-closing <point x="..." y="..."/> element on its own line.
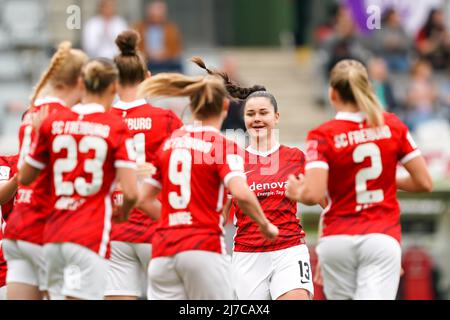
<point x="379" y="75"/>
<point x="433" y="40"/>
<point x="392" y="42"/>
<point x="161" y="41"/>
<point x="421" y="95"/>
<point x="101" y="31"/>
<point x="444" y="94"/>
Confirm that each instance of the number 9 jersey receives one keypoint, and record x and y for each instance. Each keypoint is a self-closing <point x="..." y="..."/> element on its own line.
<point x="362" y="163"/>
<point x="84" y="147"/>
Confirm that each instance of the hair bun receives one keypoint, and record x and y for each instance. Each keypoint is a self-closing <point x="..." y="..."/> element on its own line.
<point x="127" y="42"/>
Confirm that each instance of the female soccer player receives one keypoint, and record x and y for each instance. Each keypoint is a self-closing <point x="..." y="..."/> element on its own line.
<point x="354" y="158"/>
<point x="150" y="126"/>
<point x="85" y="149"/>
<point x="23" y="233"/>
<point x="194" y="166"/>
<point x="261" y="269"/>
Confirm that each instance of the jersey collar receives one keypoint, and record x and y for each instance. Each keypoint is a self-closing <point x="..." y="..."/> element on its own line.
<point x="263" y="153"/>
<point x="191" y="128"/>
<point x="88" y="108"/>
<point x="49" y="99"/>
<point x="357" y="117"/>
<point x="129" y="105"/>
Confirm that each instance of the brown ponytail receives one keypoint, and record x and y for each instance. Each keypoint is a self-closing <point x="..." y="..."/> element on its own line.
<point x="206" y="93"/>
<point x="350" y="79"/>
<point x="64" y="69"/>
<point x="130" y="62"/>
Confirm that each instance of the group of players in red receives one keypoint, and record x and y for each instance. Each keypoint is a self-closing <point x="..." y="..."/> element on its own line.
<point x="120" y="200"/>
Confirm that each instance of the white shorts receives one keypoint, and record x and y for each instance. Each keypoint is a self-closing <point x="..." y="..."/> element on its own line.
<point x="75" y="271"/>
<point x="269" y="275"/>
<point x="128" y="265"/>
<point x="361" y="267"/>
<point x="190" y="275"/>
<point x="26" y="263"/>
<point x="3" y="293"/>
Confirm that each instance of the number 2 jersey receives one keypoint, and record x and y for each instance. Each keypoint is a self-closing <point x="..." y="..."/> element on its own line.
<point x="8" y="168"/>
<point x="362" y="163"/>
<point x="150" y="126"/>
<point x="194" y="167"/>
<point x="267" y="174"/>
<point x="83" y="147"/>
<point x="34" y="202"/>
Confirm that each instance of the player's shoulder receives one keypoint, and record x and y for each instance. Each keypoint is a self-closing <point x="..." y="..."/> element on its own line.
<point x="327" y="127"/>
<point x="295" y="152"/>
<point x="392" y="119"/>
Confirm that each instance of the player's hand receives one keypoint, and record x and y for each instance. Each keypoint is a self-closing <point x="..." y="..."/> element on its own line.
<point x="269" y="230"/>
<point x="294" y="186"/>
<point x="145" y="170"/>
<point x="38" y="117"/>
<point x="318" y="275"/>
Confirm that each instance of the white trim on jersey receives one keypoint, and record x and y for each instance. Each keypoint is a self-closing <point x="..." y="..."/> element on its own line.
<point x="357" y="117"/>
<point x="263" y="153"/>
<point x="34" y="163"/>
<point x="106" y="227"/>
<point x="231" y="175"/>
<point x="411" y="140"/>
<point x="88" y="108"/>
<point x="47" y="100"/>
<point x="220" y="198"/>
<point x="153" y="182"/>
<point x="414" y="154"/>
<point x="317" y="165"/>
<point x="129" y="105"/>
<point x="125" y="164"/>
<point x="223" y="246"/>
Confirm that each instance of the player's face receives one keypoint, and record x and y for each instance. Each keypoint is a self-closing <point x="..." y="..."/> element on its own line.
<point x="260" y="117"/>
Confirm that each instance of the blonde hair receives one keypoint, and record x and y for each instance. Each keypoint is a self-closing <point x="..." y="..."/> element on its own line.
<point x="206" y="93"/>
<point x="351" y="80"/>
<point x="64" y="69"/>
<point x="98" y="74"/>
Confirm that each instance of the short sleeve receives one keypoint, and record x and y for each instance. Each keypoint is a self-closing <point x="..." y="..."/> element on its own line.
<point x="408" y="149"/>
<point x="231" y="163"/>
<point x="39" y="155"/>
<point x="174" y="123"/>
<point x="316" y="151"/>
<point x="125" y="155"/>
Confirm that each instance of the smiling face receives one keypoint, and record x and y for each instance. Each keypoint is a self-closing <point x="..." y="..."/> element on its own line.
<point x="260" y="117"/>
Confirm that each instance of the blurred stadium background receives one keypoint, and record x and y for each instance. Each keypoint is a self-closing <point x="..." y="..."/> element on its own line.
<point x="288" y="46"/>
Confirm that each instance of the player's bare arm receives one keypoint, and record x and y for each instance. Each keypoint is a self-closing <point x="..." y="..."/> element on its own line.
<point x="148" y="202"/>
<point x="419" y="179"/>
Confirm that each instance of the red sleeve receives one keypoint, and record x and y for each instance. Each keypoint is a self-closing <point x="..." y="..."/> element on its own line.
<point x="174" y="122"/>
<point x="300" y="157"/>
<point x="408" y="149"/>
<point x="230" y="162"/>
<point x="39" y="154"/>
<point x="125" y="154"/>
<point x="316" y="150"/>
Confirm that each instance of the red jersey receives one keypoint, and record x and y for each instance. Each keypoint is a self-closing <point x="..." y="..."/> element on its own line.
<point x="83" y="147"/>
<point x="150" y="126"/>
<point x="8" y="168"/>
<point x="193" y="168"/>
<point x="33" y="202"/>
<point x="267" y="174"/>
<point x="362" y="163"/>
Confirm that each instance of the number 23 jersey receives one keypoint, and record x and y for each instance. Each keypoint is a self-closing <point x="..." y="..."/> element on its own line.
<point x="84" y="148"/>
<point x="362" y="163"/>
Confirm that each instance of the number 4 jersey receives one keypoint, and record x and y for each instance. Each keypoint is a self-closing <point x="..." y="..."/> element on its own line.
<point x="362" y="163"/>
<point x="83" y="147"/>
